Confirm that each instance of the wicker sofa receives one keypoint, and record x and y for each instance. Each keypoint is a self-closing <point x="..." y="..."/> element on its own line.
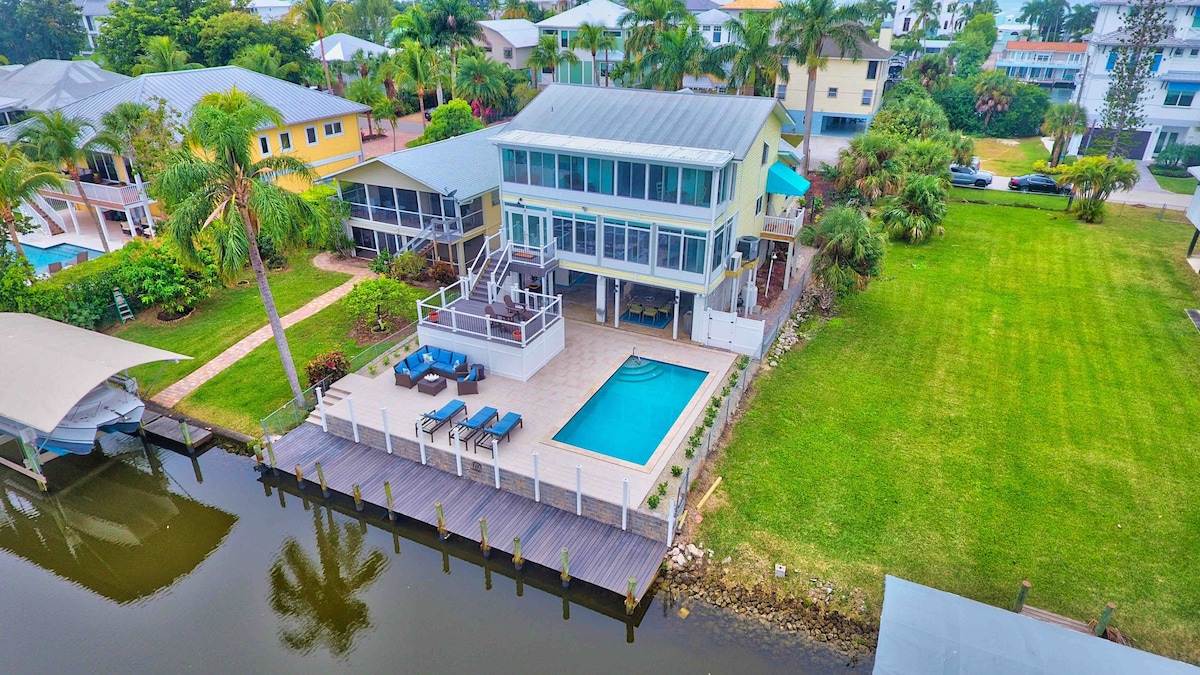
<point x="429" y="359"/>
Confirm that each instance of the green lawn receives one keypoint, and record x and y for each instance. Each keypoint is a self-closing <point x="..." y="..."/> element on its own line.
<point x="1016" y="400"/>
<point x="1181" y="186"/>
<point x="222" y="319"/>
<point x="1009" y="198"/>
<point x="1010" y="156"/>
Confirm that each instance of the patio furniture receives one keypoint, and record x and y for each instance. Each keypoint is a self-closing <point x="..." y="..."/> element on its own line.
<point x="436" y="419"/>
<point x="635" y="310"/>
<point x="54" y="267"/>
<point x="429" y="359"/>
<point x="649" y="312"/>
<point x="81" y="257"/>
<point x="664" y="312"/>
<point x="499" y="314"/>
<point x="500" y="430"/>
<point x="517" y="309"/>
<point x="431" y="383"/>
<point x="469" y="383"/>
<point x="474" y="424"/>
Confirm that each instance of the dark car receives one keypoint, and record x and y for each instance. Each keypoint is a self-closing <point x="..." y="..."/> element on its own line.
<point x="429" y="113"/>
<point x="1036" y="182"/>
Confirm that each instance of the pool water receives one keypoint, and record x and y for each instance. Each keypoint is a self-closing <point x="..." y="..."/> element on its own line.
<point x="631" y="414"/>
<point x="41" y="258"/>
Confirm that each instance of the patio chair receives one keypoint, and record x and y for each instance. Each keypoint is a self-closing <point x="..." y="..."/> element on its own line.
<point x="516" y="309"/>
<point x="664" y="312"/>
<point x="436" y="419"/>
<point x="469" y="383"/>
<point x="54" y="267"/>
<point x="649" y="313"/>
<point x="81" y="257"/>
<point x="635" y="310"/>
<point x="473" y="424"/>
<point x="501" y="430"/>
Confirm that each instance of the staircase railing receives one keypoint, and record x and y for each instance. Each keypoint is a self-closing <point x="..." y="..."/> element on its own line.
<point x="499" y="272"/>
<point x="479" y="264"/>
<point x="49" y="211"/>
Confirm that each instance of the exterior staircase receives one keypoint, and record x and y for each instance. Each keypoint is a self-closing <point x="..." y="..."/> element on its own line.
<point x="331" y="396"/>
<point x="480" y="292"/>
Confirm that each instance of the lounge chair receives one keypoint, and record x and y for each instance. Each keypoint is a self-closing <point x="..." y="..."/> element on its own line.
<point x="476" y="422"/>
<point x="516" y="309"/>
<point x="54" y="267"/>
<point x="469" y="383"/>
<point x="436" y="419"/>
<point x="649" y="313"/>
<point x="82" y="257"/>
<point x="499" y="430"/>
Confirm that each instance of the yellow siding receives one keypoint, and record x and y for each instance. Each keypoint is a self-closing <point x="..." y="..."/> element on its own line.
<point x="850" y="79"/>
<point x="330" y="154"/>
<point x="752" y="179"/>
<point x="492" y="214"/>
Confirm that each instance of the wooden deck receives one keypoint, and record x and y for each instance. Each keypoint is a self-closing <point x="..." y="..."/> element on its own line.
<point x="468" y="316"/>
<point x="599" y="554"/>
<point x="1056" y="619"/>
<point x="166" y="431"/>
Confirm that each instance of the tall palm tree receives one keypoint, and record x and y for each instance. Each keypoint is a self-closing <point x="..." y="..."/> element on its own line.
<point x="932" y="71"/>
<point x="59" y="140"/>
<point x="366" y="91"/>
<point x="216" y="193"/>
<point x="20" y="179"/>
<point x="546" y="55"/>
<point x="593" y="38"/>
<point x="1080" y="20"/>
<point x="1063" y="120"/>
<point x="994" y="92"/>
<point x="320" y="17"/>
<point x="265" y="59"/>
<point x="804" y="26"/>
<point x="1095" y="179"/>
<point x="869" y="165"/>
<point x="648" y="19"/>
<point x="481" y="79"/>
<point x="415" y="71"/>
<point x="752" y="54"/>
<point x="457" y="25"/>
<point x="924" y="11"/>
<point x="676" y="53"/>
<point x="515" y="9"/>
<point x="159" y="55"/>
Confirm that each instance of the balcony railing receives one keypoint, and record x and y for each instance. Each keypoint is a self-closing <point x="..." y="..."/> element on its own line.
<point x="533" y="255"/>
<point x="450" y="309"/>
<point x="783" y="226"/>
<point x="121" y="195"/>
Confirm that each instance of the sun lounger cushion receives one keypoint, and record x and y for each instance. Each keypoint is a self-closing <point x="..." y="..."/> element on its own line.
<point x="505" y="424"/>
<point x="480" y="418"/>
<point x="447" y="411"/>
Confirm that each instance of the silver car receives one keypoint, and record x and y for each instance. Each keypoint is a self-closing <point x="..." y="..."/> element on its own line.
<point x="969" y="177"/>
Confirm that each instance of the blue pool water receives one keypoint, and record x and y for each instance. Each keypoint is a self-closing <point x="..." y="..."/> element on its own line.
<point x="630" y="415"/>
<point x="41" y="258"/>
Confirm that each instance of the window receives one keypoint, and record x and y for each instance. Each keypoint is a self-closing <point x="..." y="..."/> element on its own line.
<point x="720" y="243"/>
<point x="872" y="70"/>
<point x="781" y="91"/>
<point x="570" y="173"/>
<point x="1112" y="61"/>
<point x="508" y="52"/>
<point x="383" y="204"/>
<point x="758" y="205"/>
<point x="103" y="166"/>
<point x="680" y="249"/>
<point x="716" y="34"/>
<point x="627" y="242"/>
<point x="664" y="183"/>
<point x="563" y="225"/>
<point x="907" y="24"/>
<point x="515" y="165"/>
<point x="355" y="194"/>
<point x="1178" y="51"/>
<point x="631" y="180"/>
<point x="1196" y="21"/>
<point x="833" y="92"/>
<point x="333" y="129"/>
<point x="364" y="238"/>
<point x="310" y="135"/>
<point x="868" y="94"/>
<point x="564" y="39"/>
<point x="1165" y="139"/>
<point x="696" y="187"/>
<point x="1075" y="58"/>
<point x="541" y="169"/>
<point x="766" y="153"/>
<point x="487" y="47"/>
<point x="264" y="145"/>
<point x="600" y="176"/>
<point x="1179" y="98"/>
<point x="1194" y="53"/>
<point x="585" y="235"/>
<point x="285" y="141"/>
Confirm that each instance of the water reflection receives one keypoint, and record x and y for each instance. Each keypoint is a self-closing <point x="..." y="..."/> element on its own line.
<point x="316" y="599"/>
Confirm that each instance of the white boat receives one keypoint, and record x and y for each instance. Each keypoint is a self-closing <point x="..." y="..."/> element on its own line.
<point x="105" y="408"/>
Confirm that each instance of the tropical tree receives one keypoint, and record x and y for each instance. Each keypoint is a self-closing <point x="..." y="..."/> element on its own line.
<point x="320" y="17"/>
<point x="1095" y="179"/>
<point x="159" y="55"/>
<point x="676" y="53"/>
<point x="265" y="59"/>
<point x="515" y="9"/>
<point x="803" y="27"/>
<point x="849" y="249"/>
<point x="1080" y="20"/>
<point x="981" y="7"/>
<point x="1063" y="120"/>
<point x="449" y="120"/>
<point x="216" y="195"/>
<point x="960" y="145"/>
<point x="367" y="92"/>
<point x="932" y="71"/>
<point x="20" y="179"/>
<point x="917" y="211"/>
<point x="385" y="111"/>
<point x="482" y="79"/>
<point x="648" y="19"/>
<point x="926" y="157"/>
<point x="869" y="166"/>
<point x="911" y="117"/>
<point x="876" y="11"/>
<point x="457" y="26"/>
<point x="415" y="71"/>
<point x="546" y="55"/>
<point x="994" y="92"/>
<point x="594" y="38"/>
<point x="753" y="57"/>
<point x="58" y="140"/>
<point x="926" y="12"/>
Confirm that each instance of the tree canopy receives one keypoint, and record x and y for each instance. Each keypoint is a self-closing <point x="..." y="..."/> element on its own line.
<point x="40" y="29"/>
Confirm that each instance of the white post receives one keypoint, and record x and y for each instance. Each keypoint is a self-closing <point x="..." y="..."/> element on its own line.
<point x="670" y="523"/>
<point x="537" y="481"/>
<point x="387" y="435"/>
<point x="421" y="442"/>
<point x="100" y="225"/>
<point x="74" y="219"/>
<point x="675" y="318"/>
<point x="321" y="409"/>
<point x="496" y="461"/>
<point x="579" y="489"/>
<point x="624" y="503"/>
<point x="132" y="225"/>
<point x="353" y="421"/>
<point x="145" y="202"/>
<point x="601" y="298"/>
<point x="617" y="305"/>
<point x="787" y="272"/>
<point x="457" y="453"/>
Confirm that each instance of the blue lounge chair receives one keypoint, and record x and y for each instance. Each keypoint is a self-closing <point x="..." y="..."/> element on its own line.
<point x="502" y="429"/>
<point x="469" y="427"/>
<point x="436" y="419"/>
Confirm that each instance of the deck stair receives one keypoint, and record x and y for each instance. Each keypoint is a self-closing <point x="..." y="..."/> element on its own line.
<point x="480" y="292"/>
<point x="331" y="396"/>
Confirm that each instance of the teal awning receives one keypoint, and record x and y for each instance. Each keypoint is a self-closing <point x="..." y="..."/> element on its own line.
<point x="782" y="180"/>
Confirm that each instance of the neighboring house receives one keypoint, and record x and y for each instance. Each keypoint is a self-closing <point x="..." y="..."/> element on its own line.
<point x="1055" y="65"/>
<point x="698" y="7"/>
<point x="848" y="91"/>
<point x="736" y="7"/>
<point x="1193" y="215"/>
<point x="948" y="19"/>
<point x="343" y="47"/>
<point x="566" y="25"/>
<point x="50" y="84"/>
<point x="442" y="195"/>
<point x="712" y="25"/>
<point x="269" y="10"/>
<point x="1170" y="105"/>
<point x="93" y="12"/>
<point x="508" y="41"/>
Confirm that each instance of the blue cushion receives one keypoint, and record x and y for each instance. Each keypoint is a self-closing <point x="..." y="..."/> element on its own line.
<point x="413" y="361"/>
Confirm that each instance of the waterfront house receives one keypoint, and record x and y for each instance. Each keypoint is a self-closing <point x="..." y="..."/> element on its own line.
<point x="1054" y="65"/>
<point x="849" y="90"/>
<point x="49" y="84"/>
<point x="508" y="41"/>
<point x="565" y="27"/>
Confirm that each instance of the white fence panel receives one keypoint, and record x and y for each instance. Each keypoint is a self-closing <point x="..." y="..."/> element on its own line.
<point x="737" y="334"/>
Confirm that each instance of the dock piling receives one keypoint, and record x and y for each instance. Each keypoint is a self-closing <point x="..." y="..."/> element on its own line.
<point x="387" y="490"/>
<point x="258" y="455"/>
<point x="321" y="478"/>
<point x="496" y="461"/>
<point x="1021" y="593"/>
<point x="483" y="539"/>
<point x="358" y="500"/>
<point x="387" y="435"/>
<point x="537" y="481"/>
<point x="299" y="478"/>
<point x="441" y="524"/>
<point x="1105" y="617"/>
<point x="271" y="454"/>
<point x="518" y="561"/>
<point x="631" y="596"/>
<point x="187" y="436"/>
<point x="566" y="569"/>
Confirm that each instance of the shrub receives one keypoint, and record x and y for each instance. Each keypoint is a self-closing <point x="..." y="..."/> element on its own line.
<point x="662" y="489"/>
<point x="409" y="266"/>
<point x="155" y="275"/>
<point x="849" y="249"/>
<point x="676" y="470"/>
<point x="79" y="295"/>
<point x="443" y="273"/>
<point x="332" y="364"/>
<point x="382" y="263"/>
<point x="451" y="119"/>
<point x="380" y="303"/>
<point x="653" y="501"/>
<point x="917" y="212"/>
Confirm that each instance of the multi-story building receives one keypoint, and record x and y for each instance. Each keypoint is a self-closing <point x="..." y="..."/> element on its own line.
<point x="948" y="19"/>
<point x="848" y="90"/>
<point x="736" y="7"/>
<point x="508" y="41"/>
<point x="1055" y="65"/>
<point x="565" y="27"/>
<point x="1171" y="110"/>
<point x="50" y="84"/>
<point x="93" y="12"/>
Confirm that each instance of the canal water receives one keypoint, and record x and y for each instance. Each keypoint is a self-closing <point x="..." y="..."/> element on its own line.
<point x="146" y="560"/>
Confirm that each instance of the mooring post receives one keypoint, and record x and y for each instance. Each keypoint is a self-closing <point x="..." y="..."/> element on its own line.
<point x="421" y="442"/>
<point x="624" y="503"/>
<point x="321" y="478"/>
<point x="441" y="524"/>
<point x="483" y="541"/>
<point x="566" y="569"/>
<point x="271" y="454"/>
<point x="1105" y="617"/>
<point x="1021" y="593"/>
<point x="579" y="489"/>
<point x="258" y="458"/>
<point x="496" y="461"/>
<point x="321" y="409"/>
<point x="358" y="500"/>
<point x="518" y="561"/>
<point x="187" y="436"/>
<point x="387" y="490"/>
<point x="353" y="420"/>
<point x="537" y="481"/>
<point x="387" y="435"/>
<point x="631" y="596"/>
<point x="299" y="477"/>
<point x="457" y="453"/>
<point x="671" y="522"/>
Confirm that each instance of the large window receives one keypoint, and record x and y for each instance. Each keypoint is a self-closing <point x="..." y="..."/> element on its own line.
<point x="564" y="231"/>
<point x="383" y="204"/>
<point x="570" y="172"/>
<point x="515" y="166"/>
<point x="355" y="194"/>
<point x="664" y="183"/>
<point x="720" y="244"/>
<point x="541" y="169"/>
<point x="681" y="250"/>
<point x="103" y="166"/>
<point x="627" y="241"/>
<point x="1180" y="98"/>
<point x="600" y="176"/>
<point x="696" y="187"/>
<point x="585" y="235"/>
<point x="631" y="180"/>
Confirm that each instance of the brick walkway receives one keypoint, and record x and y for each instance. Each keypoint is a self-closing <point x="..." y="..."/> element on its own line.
<point x="174" y="394"/>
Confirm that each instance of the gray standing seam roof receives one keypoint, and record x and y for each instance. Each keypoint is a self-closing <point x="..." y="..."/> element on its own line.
<point x="50" y="84"/>
<point x="683" y="119"/>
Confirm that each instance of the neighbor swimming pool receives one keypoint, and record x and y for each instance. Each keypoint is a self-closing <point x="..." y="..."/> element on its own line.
<point x="41" y="258"/>
<point x="631" y="414"/>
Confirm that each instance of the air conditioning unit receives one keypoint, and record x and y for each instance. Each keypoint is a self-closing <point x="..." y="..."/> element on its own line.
<point x="749" y="247"/>
<point x="734" y="264"/>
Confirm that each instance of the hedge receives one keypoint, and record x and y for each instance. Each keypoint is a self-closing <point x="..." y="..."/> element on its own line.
<point x="81" y="295"/>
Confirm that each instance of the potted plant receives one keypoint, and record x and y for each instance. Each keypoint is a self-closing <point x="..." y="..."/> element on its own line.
<point x="433" y="316"/>
<point x="517" y="334"/>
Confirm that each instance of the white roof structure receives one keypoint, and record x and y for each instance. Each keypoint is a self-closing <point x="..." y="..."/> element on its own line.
<point x="50" y="84"/>
<point x="595" y="13"/>
<point x="713" y="17"/>
<point x="601" y="146"/>
<point x="343" y="47"/>
<point x="46" y="367"/>
<point x="519" y="32"/>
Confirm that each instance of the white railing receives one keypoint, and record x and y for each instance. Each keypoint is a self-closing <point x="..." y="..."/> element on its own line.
<point x="448" y="309"/>
<point x="534" y="255"/>
<point x="50" y="212"/>
<point x="499" y="273"/>
<point x="785" y="226"/>
<point x="479" y="264"/>
<point x="124" y="195"/>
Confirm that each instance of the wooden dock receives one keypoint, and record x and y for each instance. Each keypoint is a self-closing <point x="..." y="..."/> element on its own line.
<point x="599" y="554"/>
<point x="166" y="431"/>
<point x="1056" y="619"/>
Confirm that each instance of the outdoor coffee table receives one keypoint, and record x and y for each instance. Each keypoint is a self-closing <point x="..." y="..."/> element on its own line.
<point x="431" y="384"/>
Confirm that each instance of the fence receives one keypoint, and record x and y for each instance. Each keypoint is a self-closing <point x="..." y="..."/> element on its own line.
<point x="785" y="312"/>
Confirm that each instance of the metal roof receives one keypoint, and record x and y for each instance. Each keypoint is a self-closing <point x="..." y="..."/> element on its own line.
<point x="467" y="165"/>
<point x="50" y="84"/>
<point x="867" y="50"/>
<point x="658" y="118"/>
<point x="182" y="89"/>
<point x="342" y="47"/>
<point x="672" y="153"/>
<point x="924" y="630"/>
<point x="519" y="32"/>
<point x="698" y="6"/>
<point x="46" y="367"/>
<point x="595" y="13"/>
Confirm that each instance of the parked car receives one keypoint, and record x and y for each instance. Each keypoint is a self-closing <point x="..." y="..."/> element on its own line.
<point x="968" y="176"/>
<point x="429" y="113"/>
<point x="1036" y="182"/>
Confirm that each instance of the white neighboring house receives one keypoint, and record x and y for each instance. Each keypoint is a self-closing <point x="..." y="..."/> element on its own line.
<point x="712" y="25"/>
<point x="269" y="10"/>
<point x="50" y="84"/>
<point x="1170" y="104"/>
<point x="93" y="12"/>
<point x="343" y="47"/>
<point x="508" y="41"/>
<point x="948" y="20"/>
<point x="566" y="25"/>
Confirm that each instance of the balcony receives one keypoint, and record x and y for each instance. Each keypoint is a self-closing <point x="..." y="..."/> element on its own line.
<point x="117" y="196"/>
<point x="784" y="227"/>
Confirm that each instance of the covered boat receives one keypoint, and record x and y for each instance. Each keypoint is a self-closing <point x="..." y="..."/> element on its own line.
<point x="112" y="406"/>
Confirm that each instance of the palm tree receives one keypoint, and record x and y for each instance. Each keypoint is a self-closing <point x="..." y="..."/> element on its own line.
<point x="159" y="55"/>
<point x="481" y="79"/>
<point x="265" y="59"/>
<point x="59" y="140"/>
<point x="546" y="55"/>
<point x="319" y="16"/>
<point x="676" y="53"/>
<point x="515" y="9"/>
<point x="20" y="179"/>
<point x="1063" y="120"/>
<point x="216" y="193"/>
<point x="994" y="93"/>
<point x="457" y="26"/>
<point x="1080" y="20"/>
<point x="932" y="71"/>
<point x="921" y="156"/>
<point x="953" y="8"/>
<point x="925" y="11"/>
<point x="917" y="210"/>
<point x="593" y="38"/>
<point x="367" y="92"/>
<point x="385" y="110"/>
<point x="648" y="19"/>
<point x="961" y="146"/>
<point x="803" y="28"/>
<point x="319" y="597"/>
<point x="869" y="165"/>
<point x="849" y="249"/>
<point x="752" y="54"/>
<point x="415" y="71"/>
<point x="1095" y="179"/>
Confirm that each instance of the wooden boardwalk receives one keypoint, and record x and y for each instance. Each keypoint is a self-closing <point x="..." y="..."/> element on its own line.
<point x="599" y="554"/>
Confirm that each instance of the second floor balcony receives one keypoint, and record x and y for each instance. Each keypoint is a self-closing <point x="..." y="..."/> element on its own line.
<point x="108" y="195"/>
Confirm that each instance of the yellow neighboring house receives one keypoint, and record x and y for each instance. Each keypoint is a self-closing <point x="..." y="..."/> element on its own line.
<point x="848" y="91"/>
<point x="319" y="128"/>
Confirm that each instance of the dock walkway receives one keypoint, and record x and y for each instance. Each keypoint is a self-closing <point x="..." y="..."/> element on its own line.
<point x="599" y="554"/>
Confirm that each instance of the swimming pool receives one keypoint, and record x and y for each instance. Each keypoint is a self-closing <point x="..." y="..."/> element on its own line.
<point x="632" y="412"/>
<point x="41" y="258"/>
